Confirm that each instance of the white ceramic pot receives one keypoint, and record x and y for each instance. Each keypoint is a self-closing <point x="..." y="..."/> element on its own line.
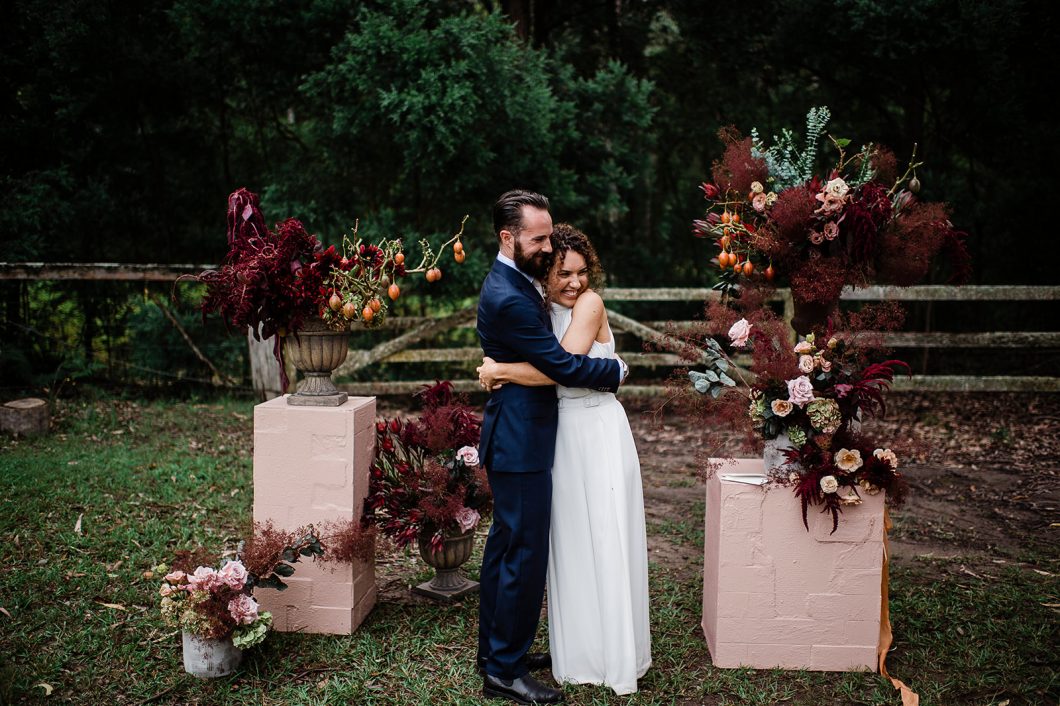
<point x="208" y="658"/>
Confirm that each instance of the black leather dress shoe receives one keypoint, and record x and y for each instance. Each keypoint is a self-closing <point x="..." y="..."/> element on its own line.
<point x="535" y="662"/>
<point x="524" y="690"/>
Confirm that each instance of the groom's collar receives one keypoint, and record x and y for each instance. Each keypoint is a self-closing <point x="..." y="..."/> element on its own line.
<point x="505" y="260"/>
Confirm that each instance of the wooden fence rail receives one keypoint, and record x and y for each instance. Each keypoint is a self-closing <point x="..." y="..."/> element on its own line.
<point x="414" y="331"/>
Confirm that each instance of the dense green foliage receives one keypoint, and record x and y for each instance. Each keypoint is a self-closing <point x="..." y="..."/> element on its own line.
<point x="124" y="127"/>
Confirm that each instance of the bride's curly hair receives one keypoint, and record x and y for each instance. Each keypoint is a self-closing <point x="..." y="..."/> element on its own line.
<point x="566" y="237"/>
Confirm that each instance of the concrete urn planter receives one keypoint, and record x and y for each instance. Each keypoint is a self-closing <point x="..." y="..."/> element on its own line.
<point x="449" y="583"/>
<point x="316" y="350"/>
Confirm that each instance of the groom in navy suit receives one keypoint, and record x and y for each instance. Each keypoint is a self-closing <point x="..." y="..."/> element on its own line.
<point x="517" y="445"/>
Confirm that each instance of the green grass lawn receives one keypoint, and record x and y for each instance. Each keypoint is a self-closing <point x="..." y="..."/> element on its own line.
<point x="147" y="479"/>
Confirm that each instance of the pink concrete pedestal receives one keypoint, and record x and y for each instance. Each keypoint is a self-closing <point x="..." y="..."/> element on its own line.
<point x="311" y="464"/>
<point x="775" y="595"/>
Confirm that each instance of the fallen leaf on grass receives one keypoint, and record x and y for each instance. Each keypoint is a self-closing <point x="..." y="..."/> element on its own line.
<point x="1043" y="573"/>
<point x="48" y="688"/>
<point x="4" y="611"/>
<point x="77" y="525"/>
<point x="115" y="606"/>
<point x="72" y="463"/>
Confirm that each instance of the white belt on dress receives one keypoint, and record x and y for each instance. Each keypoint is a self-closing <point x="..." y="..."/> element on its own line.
<point x="593" y="400"/>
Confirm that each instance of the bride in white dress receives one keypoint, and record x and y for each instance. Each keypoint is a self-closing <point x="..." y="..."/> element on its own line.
<point x="598" y="559"/>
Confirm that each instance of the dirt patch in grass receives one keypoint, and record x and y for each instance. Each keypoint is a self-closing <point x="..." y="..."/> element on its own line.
<point x="984" y="474"/>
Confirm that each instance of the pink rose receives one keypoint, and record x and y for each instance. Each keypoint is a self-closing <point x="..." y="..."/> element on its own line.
<point x="803" y="347"/>
<point x="831" y="231"/>
<point x="800" y="391"/>
<point x="829" y="204"/>
<point x="234" y="575"/>
<point x="825" y="365"/>
<point x="467" y="518"/>
<point x="758" y="203"/>
<point x="166" y="590"/>
<point x="842" y="391"/>
<point x="739" y="333"/>
<point x="243" y="609"/>
<point x="806" y="364"/>
<point x="816" y="238"/>
<point x="204" y="579"/>
<point x="469" y="455"/>
<point x="176" y="577"/>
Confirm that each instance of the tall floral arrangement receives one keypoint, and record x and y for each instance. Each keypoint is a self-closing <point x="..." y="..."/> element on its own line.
<point x="427" y="481"/>
<point x="807" y="400"/>
<point x="773" y="217"/>
<point x="275" y="280"/>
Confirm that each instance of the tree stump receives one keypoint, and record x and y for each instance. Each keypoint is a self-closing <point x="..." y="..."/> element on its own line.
<point x="25" y="417"/>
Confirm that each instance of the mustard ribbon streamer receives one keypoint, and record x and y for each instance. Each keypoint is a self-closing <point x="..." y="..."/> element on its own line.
<point x="909" y="697"/>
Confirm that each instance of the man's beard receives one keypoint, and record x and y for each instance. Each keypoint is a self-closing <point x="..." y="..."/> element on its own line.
<point x="536" y="265"/>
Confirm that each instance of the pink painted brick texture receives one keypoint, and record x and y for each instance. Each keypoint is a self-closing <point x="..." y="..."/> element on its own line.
<point x="775" y="595"/>
<point x="311" y="464"/>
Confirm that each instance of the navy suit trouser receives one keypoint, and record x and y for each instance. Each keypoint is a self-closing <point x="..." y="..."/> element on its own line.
<point x="512" y="581"/>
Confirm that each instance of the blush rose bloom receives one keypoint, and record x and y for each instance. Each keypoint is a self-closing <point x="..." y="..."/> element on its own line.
<point x="204" y="579"/>
<point x="756" y="187"/>
<point x="824" y="364"/>
<point x="469" y="455"/>
<point x="816" y="237"/>
<point x="166" y="590"/>
<point x="888" y="456"/>
<point x="243" y="609"/>
<point x="739" y="332"/>
<point x="837" y="188"/>
<point x="234" y="575"/>
<point x="781" y="408"/>
<point x="806" y="364"/>
<point x="831" y="230"/>
<point x="800" y="391"/>
<point x="803" y="347"/>
<point x="829" y="484"/>
<point x="176" y="577"/>
<point x="848" y="459"/>
<point x="467" y="518"/>
<point x="758" y="203"/>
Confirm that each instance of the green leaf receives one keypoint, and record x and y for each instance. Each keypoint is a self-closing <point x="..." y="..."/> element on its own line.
<point x="722" y="364"/>
<point x="715" y="392"/>
<point x="289" y="554"/>
<point x="711" y="375"/>
<point x="726" y="380"/>
<point x="283" y="570"/>
<point x="842" y="141"/>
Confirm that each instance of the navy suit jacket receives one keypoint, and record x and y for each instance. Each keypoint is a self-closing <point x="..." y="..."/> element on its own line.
<point x="519" y="425"/>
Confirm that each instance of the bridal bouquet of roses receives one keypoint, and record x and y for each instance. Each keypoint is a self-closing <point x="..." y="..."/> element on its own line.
<point x="807" y="401"/>
<point x="426" y="481"/>
<point x="860" y="222"/>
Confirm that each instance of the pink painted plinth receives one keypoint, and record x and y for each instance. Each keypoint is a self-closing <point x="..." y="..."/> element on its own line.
<point x="311" y="465"/>
<point x="775" y="595"/>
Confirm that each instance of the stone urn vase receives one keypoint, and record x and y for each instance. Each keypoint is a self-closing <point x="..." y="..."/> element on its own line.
<point x="774" y="458"/>
<point x="449" y="583"/>
<point x="208" y="658"/>
<point x="316" y="350"/>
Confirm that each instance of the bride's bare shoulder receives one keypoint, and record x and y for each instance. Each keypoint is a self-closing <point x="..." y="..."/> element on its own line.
<point x="589" y="300"/>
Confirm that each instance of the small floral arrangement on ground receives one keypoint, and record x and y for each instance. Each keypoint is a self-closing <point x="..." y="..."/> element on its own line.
<point x="274" y="281"/>
<point x="215" y="603"/>
<point x="218" y="602"/>
<point x="808" y="399"/>
<point x="426" y="481"/>
<point x="770" y="214"/>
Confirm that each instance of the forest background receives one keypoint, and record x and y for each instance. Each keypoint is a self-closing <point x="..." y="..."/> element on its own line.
<point x="124" y="126"/>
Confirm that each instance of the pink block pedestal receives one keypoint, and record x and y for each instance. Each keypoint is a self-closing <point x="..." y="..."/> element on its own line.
<point x="775" y="595"/>
<point x="311" y="464"/>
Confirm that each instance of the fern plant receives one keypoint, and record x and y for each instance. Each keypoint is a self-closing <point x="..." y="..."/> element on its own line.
<point x="786" y="163"/>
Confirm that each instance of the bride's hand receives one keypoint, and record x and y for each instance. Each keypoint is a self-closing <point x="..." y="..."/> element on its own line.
<point x="487" y="374"/>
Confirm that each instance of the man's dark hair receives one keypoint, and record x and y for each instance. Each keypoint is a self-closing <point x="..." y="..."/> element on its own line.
<point x="508" y="211"/>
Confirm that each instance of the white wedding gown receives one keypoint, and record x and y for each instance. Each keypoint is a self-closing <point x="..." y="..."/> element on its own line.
<point x="598" y="556"/>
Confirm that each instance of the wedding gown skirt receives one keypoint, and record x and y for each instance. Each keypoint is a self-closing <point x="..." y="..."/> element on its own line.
<point x="598" y="557"/>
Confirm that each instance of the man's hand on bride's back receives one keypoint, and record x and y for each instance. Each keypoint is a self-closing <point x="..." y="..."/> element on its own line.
<point x="487" y="374"/>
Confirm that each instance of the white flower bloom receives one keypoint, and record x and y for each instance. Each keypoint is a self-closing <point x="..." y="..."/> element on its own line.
<point x="848" y="459"/>
<point x="888" y="456"/>
<point x="829" y="484"/>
